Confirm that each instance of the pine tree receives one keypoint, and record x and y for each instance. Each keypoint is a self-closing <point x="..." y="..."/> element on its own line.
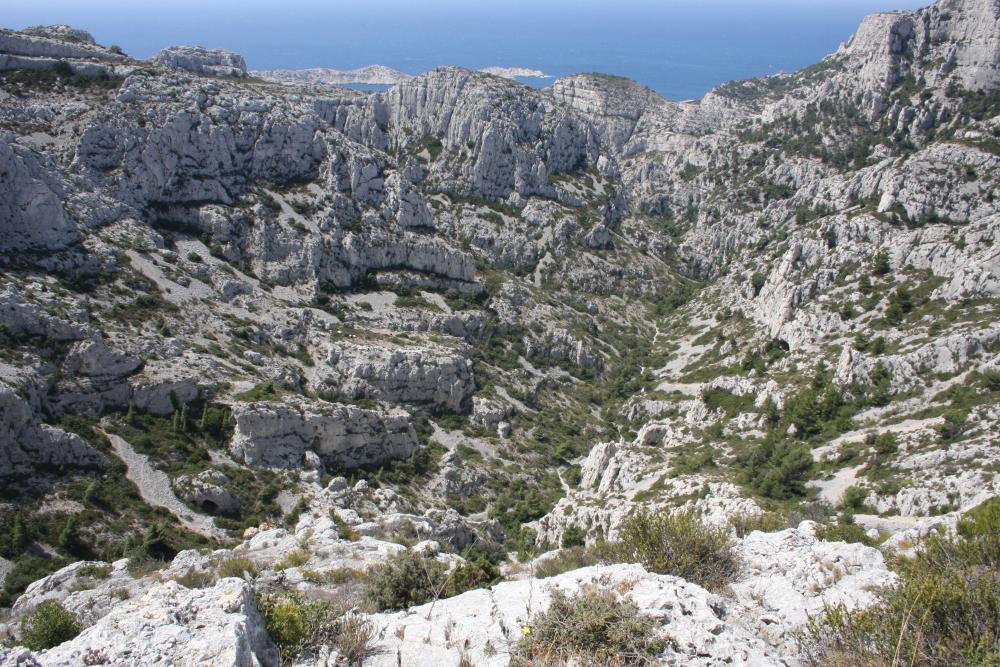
<point x="20" y="538"/>
<point x="90" y="494"/>
<point x="68" y="541"/>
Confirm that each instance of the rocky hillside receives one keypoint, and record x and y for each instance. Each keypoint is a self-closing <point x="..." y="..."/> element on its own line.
<point x="259" y="339"/>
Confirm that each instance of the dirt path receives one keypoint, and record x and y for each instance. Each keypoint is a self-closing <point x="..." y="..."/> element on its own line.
<point x="154" y="487"/>
<point x="905" y="426"/>
<point x="832" y="490"/>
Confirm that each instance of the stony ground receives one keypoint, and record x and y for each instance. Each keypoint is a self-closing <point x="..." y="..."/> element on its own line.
<point x="294" y="321"/>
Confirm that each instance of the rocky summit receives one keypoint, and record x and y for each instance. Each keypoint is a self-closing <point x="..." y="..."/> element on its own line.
<point x="465" y="372"/>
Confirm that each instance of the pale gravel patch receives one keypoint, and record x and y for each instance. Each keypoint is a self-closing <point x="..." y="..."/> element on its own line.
<point x="154" y="488"/>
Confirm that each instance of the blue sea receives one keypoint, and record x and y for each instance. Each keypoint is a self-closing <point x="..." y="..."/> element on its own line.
<point x="680" y="49"/>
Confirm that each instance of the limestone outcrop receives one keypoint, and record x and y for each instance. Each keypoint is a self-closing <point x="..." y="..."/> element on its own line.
<point x="280" y="435"/>
<point x="170" y="624"/>
<point x="27" y="445"/>
<point x="219" y="62"/>
<point x="438" y="378"/>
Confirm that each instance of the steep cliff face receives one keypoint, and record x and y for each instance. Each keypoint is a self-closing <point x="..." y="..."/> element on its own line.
<point x="512" y="316"/>
<point x="507" y="139"/>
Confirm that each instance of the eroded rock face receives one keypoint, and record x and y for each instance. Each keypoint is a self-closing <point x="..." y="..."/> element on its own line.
<point x="173" y="625"/>
<point x="954" y="35"/>
<point x="206" y="491"/>
<point x="519" y="140"/>
<point x="58" y="41"/>
<point x="486" y="624"/>
<point x="89" y="589"/>
<point x="219" y="62"/>
<point x="790" y="575"/>
<point x="32" y="216"/>
<point x="26" y="444"/>
<point x="366" y="247"/>
<point x="279" y="435"/>
<point x="426" y="376"/>
<point x="60" y="31"/>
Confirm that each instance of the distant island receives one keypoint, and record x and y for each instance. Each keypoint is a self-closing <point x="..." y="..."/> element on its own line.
<point x="373" y="74"/>
<point x="370" y="74"/>
<point x="515" y="72"/>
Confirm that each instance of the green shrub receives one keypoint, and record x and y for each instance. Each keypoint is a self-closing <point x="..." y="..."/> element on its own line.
<point x="845" y="530"/>
<point x="900" y="305"/>
<point x="854" y="498"/>
<point x="238" y="566"/>
<point x="405" y="580"/>
<point x="777" y="468"/>
<point x="296" y="624"/>
<point x="95" y="571"/>
<point x="408" y="579"/>
<point x="344" y="531"/>
<point x="680" y="545"/>
<point x="62" y="68"/>
<point x="573" y="536"/>
<point x="991" y="379"/>
<point x="765" y="522"/>
<point x="945" y="610"/>
<point x="880" y="264"/>
<point x="953" y="427"/>
<point x="593" y="627"/>
<point x="726" y="401"/>
<point x="265" y="391"/>
<point x="473" y="573"/>
<point x="194" y="578"/>
<point x="50" y="624"/>
<point x="295" y="558"/>
<point x="575" y="558"/>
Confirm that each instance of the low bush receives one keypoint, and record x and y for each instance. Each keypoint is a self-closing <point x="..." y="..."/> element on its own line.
<point x="573" y="536"/>
<point x="765" y="522"/>
<point x="729" y="403"/>
<point x="680" y="545"/>
<point x="264" y="391"/>
<point x="945" y="610"/>
<point x="593" y="627"/>
<point x="409" y="579"/>
<point x="344" y="531"/>
<point x="473" y="573"/>
<point x="354" y="639"/>
<point x="295" y="558"/>
<point x="297" y="625"/>
<point x="95" y="571"/>
<point x="50" y="624"/>
<point x="575" y="558"/>
<point x="844" y="530"/>
<point x="196" y="579"/>
<point x="238" y="566"/>
<point x="405" y="580"/>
